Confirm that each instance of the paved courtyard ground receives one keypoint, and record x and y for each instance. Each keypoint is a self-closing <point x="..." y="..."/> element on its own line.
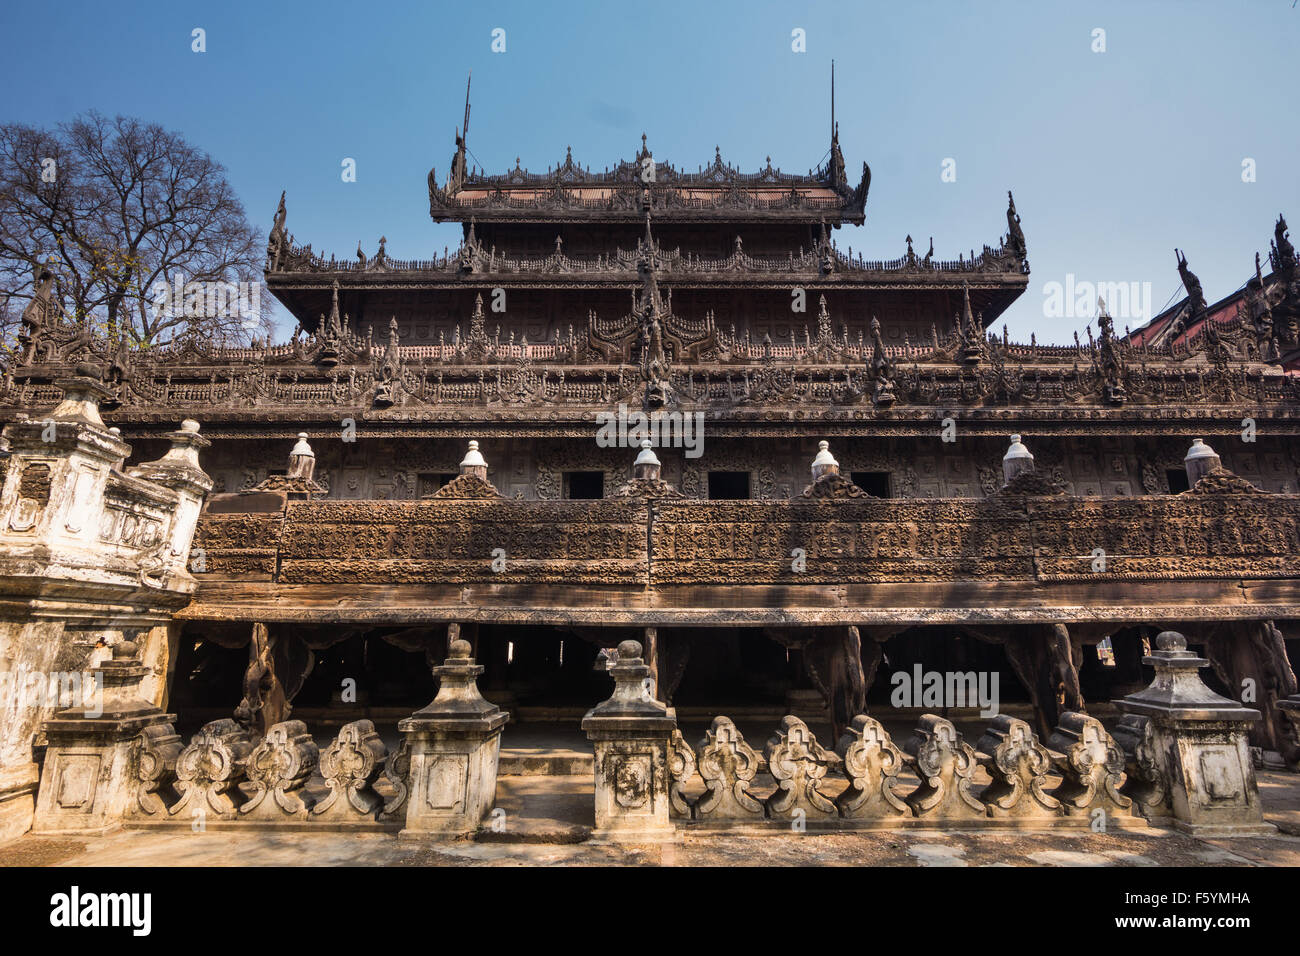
<point x="549" y="814"/>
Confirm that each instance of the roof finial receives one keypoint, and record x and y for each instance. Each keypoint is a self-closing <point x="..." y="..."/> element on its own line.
<point x="834" y="131"/>
<point x="465" y="129"/>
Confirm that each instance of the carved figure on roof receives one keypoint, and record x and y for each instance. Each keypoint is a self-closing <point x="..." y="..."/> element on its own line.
<point x="970" y="331"/>
<point x="1015" y="235"/>
<point x="476" y="347"/>
<point x="882" y="369"/>
<point x="457" y="177"/>
<point x="39" y="318"/>
<point x="839" y="175"/>
<point x="1195" y="296"/>
<point x="1108" y="360"/>
<point x="278" y="241"/>
<point x="1282" y="254"/>
<point x="390" y="369"/>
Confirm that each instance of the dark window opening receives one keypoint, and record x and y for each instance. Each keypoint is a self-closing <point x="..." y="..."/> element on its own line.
<point x="272" y="472"/>
<point x="584" y="485"/>
<point x="874" y="483"/>
<point x="1177" y="481"/>
<point x="429" y="482"/>
<point x="728" y="485"/>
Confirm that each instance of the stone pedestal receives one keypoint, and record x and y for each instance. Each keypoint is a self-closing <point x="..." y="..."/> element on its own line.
<point x="631" y="733"/>
<point x="1199" y="742"/>
<point x="453" y="745"/>
<point x="93" y="751"/>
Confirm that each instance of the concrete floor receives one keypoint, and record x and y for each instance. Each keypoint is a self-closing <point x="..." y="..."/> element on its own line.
<point x="145" y="848"/>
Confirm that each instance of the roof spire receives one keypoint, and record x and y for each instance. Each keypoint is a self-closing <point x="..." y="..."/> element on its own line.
<point x="465" y="128"/>
<point x="834" y="131"/>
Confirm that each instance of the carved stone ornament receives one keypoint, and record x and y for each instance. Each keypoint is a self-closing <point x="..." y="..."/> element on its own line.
<point x="946" y="765"/>
<point x="397" y="771"/>
<point x="871" y="762"/>
<point x="160" y="747"/>
<point x="798" y="763"/>
<point x="681" y="768"/>
<point x="1092" y="767"/>
<point x="1145" y="782"/>
<point x="278" y="769"/>
<point x="728" y="766"/>
<point x="210" y="769"/>
<point x="1019" y="766"/>
<point x="351" y="765"/>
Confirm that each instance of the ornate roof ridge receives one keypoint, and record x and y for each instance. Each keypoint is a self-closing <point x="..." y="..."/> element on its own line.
<point x="632" y="172"/>
<point x="644" y="181"/>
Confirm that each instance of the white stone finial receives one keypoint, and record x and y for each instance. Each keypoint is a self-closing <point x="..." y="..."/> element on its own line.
<point x="1200" y="461"/>
<point x="301" y="448"/>
<point x="472" y="458"/>
<point x="190" y="426"/>
<point x="1018" y="459"/>
<point x="647" y="463"/>
<point x="1017" y="449"/>
<point x="302" y="460"/>
<point x="647" y="455"/>
<point x="825" y="462"/>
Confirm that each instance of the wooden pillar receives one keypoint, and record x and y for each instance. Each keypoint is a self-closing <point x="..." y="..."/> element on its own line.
<point x="265" y="702"/>
<point x="1048" y="665"/>
<point x="1250" y="658"/>
<point x="651" y="656"/>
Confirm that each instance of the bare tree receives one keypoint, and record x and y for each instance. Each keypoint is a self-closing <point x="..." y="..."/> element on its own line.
<point x="145" y="237"/>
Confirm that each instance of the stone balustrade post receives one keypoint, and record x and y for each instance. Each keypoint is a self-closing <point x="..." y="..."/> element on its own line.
<point x="1200" y="747"/>
<point x="453" y="747"/>
<point x="93" y="749"/>
<point x="631" y="733"/>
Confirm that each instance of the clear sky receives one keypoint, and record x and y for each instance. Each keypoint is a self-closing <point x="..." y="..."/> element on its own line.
<point x="1115" y="157"/>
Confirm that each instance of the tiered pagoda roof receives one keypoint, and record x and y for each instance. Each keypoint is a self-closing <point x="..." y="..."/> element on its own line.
<point x="719" y="192"/>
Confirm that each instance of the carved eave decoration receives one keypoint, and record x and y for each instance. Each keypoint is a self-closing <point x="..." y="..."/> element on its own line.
<point x="1033" y="484"/>
<point x="833" y="487"/>
<point x="646" y="488"/>
<point x="1221" y="481"/>
<point x="306" y="487"/>
<point x="467" y="487"/>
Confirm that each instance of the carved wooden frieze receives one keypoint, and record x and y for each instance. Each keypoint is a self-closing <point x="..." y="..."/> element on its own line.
<point x="1000" y="538"/>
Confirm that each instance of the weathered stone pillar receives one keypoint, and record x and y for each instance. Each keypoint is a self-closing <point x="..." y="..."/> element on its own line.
<point x="93" y="752"/>
<point x="631" y="732"/>
<point x="1200" y="745"/>
<point x="454" y="744"/>
<point x="89" y="556"/>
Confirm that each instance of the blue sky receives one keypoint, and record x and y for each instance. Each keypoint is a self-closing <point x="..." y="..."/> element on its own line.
<point x="1114" y="157"/>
